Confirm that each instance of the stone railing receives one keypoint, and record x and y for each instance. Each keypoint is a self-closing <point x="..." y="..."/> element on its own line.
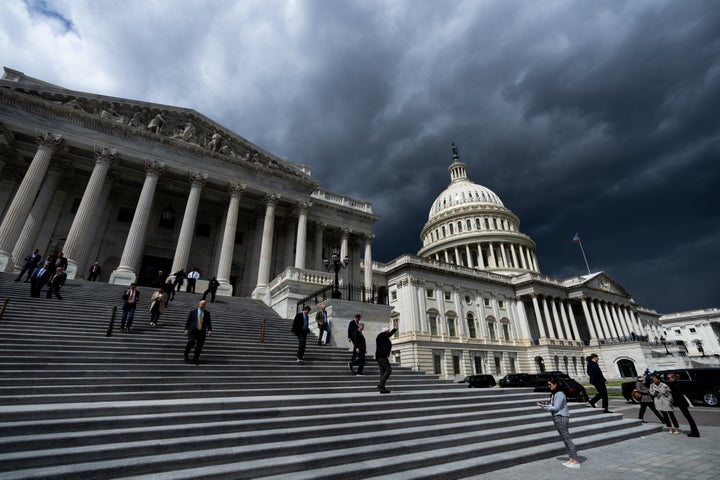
<point x="313" y="277"/>
<point x="338" y="199"/>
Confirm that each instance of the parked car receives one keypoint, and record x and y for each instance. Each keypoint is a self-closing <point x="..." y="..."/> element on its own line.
<point x="701" y="385"/>
<point x="574" y="391"/>
<point x="479" y="381"/>
<point x="518" y="380"/>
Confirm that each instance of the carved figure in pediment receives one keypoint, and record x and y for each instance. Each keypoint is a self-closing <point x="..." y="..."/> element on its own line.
<point x="74" y="104"/>
<point x="227" y="150"/>
<point x="111" y="114"/>
<point x="157" y="124"/>
<point x="215" y="142"/>
<point x="187" y="134"/>
<point x="245" y="157"/>
<point x="138" y="119"/>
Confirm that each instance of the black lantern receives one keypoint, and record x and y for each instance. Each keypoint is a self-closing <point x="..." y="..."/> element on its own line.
<point x="335" y="264"/>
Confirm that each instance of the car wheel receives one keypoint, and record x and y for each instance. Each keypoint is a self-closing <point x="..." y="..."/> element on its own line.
<point x="710" y="399"/>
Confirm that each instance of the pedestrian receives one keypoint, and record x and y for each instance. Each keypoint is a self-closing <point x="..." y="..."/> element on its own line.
<point x="646" y="401"/>
<point x="212" y="289"/>
<point x="179" y="279"/>
<point x="300" y="328"/>
<point x="360" y="349"/>
<point x="558" y="407"/>
<point x="197" y="328"/>
<point x="59" y="261"/>
<point x="39" y="278"/>
<point x="663" y="401"/>
<point x="352" y="328"/>
<point x="192" y="277"/>
<point x="382" y="354"/>
<point x="56" y="282"/>
<point x="95" y="271"/>
<point x="159" y="280"/>
<point x="32" y="260"/>
<point x="680" y="401"/>
<point x="598" y="381"/>
<point x="131" y="297"/>
<point x="169" y="288"/>
<point x="323" y="322"/>
<point x="158" y="301"/>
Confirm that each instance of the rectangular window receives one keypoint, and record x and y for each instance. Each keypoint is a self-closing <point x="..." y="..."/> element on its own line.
<point x="513" y="365"/>
<point x="498" y="365"/>
<point x="501" y="304"/>
<point x="432" y="320"/>
<point x="456" y="365"/>
<point x="125" y="215"/>
<point x="393" y="295"/>
<point x="491" y="331"/>
<point x="430" y="293"/>
<point x="478" y="364"/>
<point x="437" y="363"/>
<point x="692" y="330"/>
<point x="451" y="327"/>
<point x="487" y="302"/>
<point x="506" y="331"/>
<point x="448" y="296"/>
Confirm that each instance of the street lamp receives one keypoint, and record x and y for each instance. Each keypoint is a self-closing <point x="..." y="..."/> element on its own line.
<point x="335" y="263"/>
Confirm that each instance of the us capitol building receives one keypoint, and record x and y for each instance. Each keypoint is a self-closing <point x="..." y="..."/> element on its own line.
<point x="142" y="187"/>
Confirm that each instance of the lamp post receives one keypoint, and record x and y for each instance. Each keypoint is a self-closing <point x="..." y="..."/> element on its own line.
<point x="336" y="264"/>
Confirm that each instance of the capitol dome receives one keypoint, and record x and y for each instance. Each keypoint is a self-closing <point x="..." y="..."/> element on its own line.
<point x="468" y="225"/>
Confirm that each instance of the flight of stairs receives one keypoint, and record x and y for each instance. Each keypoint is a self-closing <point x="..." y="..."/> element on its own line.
<point x="79" y="404"/>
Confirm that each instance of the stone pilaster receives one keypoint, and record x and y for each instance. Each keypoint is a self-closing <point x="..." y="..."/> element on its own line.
<point x="126" y="272"/>
<point x="22" y="202"/>
<point x="76" y="238"/>
<point x="319" y="230"/>
<point x="367" y="262"/>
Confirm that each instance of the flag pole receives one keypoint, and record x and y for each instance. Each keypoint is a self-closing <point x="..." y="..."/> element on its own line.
<point x="577" y="240"/>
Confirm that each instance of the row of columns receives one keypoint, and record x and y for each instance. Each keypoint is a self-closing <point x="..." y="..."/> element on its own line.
<point x="20" y="226"/>
<point x="605" y="321"/>
<point x="499" y="255"/>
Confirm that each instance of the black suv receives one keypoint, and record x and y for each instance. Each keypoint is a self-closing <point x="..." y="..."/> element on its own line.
<point x="479" y="381"/>
<point x="573" y="390"/>
<point x="518" y="380"/>
<point x="701" y="385"/>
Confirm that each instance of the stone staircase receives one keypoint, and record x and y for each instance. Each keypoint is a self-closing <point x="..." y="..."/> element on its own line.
<point x="78" y="404"/>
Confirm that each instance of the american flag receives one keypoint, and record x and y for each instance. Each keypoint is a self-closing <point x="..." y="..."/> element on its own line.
<point x="576" y="238"/>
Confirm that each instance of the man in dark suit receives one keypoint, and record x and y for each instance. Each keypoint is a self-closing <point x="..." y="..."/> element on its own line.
<point x="31" y="262"/>
<point x="197" y="328"/>
<point x="323" y="322"/>
<point x="59" y="261"/>
<point x="352" y="328"/>
<point x="131" y="297"/>
<point x="359" y="348"/>
<point x="39" y="277"/>
<point x="95" y="271"/>
<point x="382" y="355"/>
<point x="57" y="281"/>
<point x="598" y="381"/>
<point x="300" y="328"/>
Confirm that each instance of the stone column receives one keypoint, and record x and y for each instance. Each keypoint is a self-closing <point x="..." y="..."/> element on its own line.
<point x="28" y="236"/>
<point x="570" y="333"/>
<point x="76" y="238"/>
<point x="523" y="261"/>
<point x="301" y="241"/>
<point x="622" y="330"/>
<point x="573" y="322"/>
<point x="550" y="322"/>
<point x="126" y="272"/>
<point x="261" y="287"/>
<point x="514" y="256"/>
<point x="19" y="209"/>
<point x="227" y="250"/>
<point x="182" y="251"/>
<point x="588" y="319"/>
<point x="601" y="328"/>
<point x="367" y="263"/>
<point x="469" y="257"/>
<point x="344" y="249"/>
<point x="318" y="260"/>
<point x="503" y="257"/>
<point x="538" y="316"/>
<point x="607" y="319"/>
<point x="556" y="318"/>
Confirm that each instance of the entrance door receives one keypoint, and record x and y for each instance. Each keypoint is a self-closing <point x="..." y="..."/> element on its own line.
<point x="150" y="266"/>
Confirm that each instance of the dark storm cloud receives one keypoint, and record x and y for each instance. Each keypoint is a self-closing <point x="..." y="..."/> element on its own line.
<point x="595" y="117"/>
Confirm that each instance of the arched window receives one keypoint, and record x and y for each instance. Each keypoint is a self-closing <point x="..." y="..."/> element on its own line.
<point x="540" y="364"/>
<point x="487" y="224"/>
<point x="451" y="327"/>
<point x="468" y="224"/>
<point x="443" y="230"/>
<point x="451" y="229"/>
<point x="459" y="224"/>
<point x="627" y="368"/>
<point x="477" y="223"/>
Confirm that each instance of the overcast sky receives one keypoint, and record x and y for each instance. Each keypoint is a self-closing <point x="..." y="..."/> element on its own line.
<point x="597" y="117"/>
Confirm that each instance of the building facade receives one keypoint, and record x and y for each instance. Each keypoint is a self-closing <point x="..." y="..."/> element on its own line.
<point x="142" y="187"/>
